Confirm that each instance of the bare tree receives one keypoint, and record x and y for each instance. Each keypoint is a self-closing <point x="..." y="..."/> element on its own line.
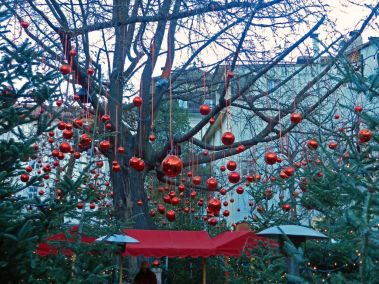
<point x="126" y="42"/>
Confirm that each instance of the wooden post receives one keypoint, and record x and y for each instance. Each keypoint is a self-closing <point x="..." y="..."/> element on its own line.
<point x="204" y="271"/>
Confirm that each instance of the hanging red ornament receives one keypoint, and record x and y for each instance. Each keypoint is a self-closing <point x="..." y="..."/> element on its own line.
<point x="205" y="109"/>
<point x="364" y="135"/>
<point x="283" y="175"/>
<point x="65" y="147"/>
<point x="137" y="101"/>
<point x="196" y="180"/>
<point x="234" y="177"/>
<point x="116" y="167"/>
<point x="77" y="155"/>
<point x="59" y="103"/>
<point x="24" y="24"/>
<point x="289" y="171"/>
<point x="50" y="140"/>
<point x="270" y="158"/>
<point x="227" y="138"/>
<point x="65" y="69"/>
<point x="189" y="174"/>
<point x="239" y="190"/>
<point x="336" y="116"/>
<point x="61" y="125"/>
<point x="212" y="222"/>
<point x="90" y="71"/>
<point x="161" y="209"/>
<point x="85" y="141"/>
<point x="212" y="184"/>
<point x="222" y="191"/>
<point x="230" y="74"/>
<point x="172" y="194"/>
<point x="108" y="126"/>
<point x="73" y="52"/>
<point x="68" y="126"/>
<point x="140" y="165"/>
<point x="24" y="177"/>
<point x="28" y="168"/>
<point x="205" y="153"/>
<point x="181" y="187"/>
<point x="92" y="206"/>
<point x="171" y="215"/>
<point x="104" y="145"/>
<point x="193" y="194"/>
<point x="152" y="137"/>
<point x="175" y="201"/>
<point x="121" y="150"/>
<point x="79" y="205"/>
<point x="286" y="207"/>
<point x="296" y="118"/>
<point x="78" y="123"/>
<point x="225" y="203"/>
<point x="41" y="192"/>
<point x="67" y="134"/>
<point x="332" y="145"/>
<point x="139" y="203"/>
<point x="297" y="164"/>
<point x="76" y="97"/>
<point x="312" y="144"/>
<point x="212" y="120"/>
<point x="231" y="166"/>
<point x="172" y="166"/>
<point x="51" y="133"/>
<point x="226" y="213"/>
<point x="222" y="168"/>
<point x="250" y="178"/>
<point x="152" y="213"/>
<point x="156" y="263"/>
<point x="105" y="118"/>
<point x="358" y="109"/>
<point x="133" y="162"/>
<point x="240" y="149"/>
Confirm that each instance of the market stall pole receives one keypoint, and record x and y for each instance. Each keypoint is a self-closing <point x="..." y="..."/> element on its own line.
<point x="297" y="235"/>
<point x="121" y="241"/>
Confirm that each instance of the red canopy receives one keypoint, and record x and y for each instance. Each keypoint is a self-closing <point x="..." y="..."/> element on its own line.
<point x="235" y="243"/>
<point x="159" y="243"/>
<point x="44" y="249"/>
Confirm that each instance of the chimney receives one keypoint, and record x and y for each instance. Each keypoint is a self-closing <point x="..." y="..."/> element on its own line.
<point x="357" y="42"/>
<point x="316" y="48"/>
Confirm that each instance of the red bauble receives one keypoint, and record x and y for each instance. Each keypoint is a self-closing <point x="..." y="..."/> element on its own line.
<point x="364" y="135"/>
<point x="230" y="74"/>
<point x="121" y="150"/>
<point x="286" y="207"/>
<point x="24" y="24"/>
<point x="24" y="177"/>
<point x="231" y="166"/>
<point x="137" y="101"/>
<point x="61" y="125"/>
<point x="196" y="180"/>
<point x="270" y="158"/>
<point x="140" y="165"/>
<point x="212" y="222"/>
<point x="85" y="140"/>
<point x="92" y="205"/>
<point x="116" y="167"/>
<point x="41" y="192"/>
<point x="227" y="138"/>
<point x="175" y="201"/>
<point x="205" y="109"/>
<point x="172" y="166"/>
<point x="332" y="145"/>
<point x="67" y="134"/>
<point x="73" y="52"/>
<point x="296" y="118"/>
<point x="68" y="126"/>
<point x="28" y="168"/>
<point x="214" y="205"/>
<point x="139" y="203"/>
<point x="90" y="71"/>
<point x="358" y="109"/>
<point x="193" y="194"/>
<point x="226" y="213"/>
<point x="225" y="203"/>
<point x="152" y="212"/>
<point x="171" y="215"/>
<point x="105" y="118"/>
<point x="239" y="190"/>
<point x="212" y="183"/>
<point x="312" y="144"/>
<point x="104" y="145"/>
<point x="65" y="69"/>
<point x="283" y="175"/>
<point x="234" y="177"/>
<point x="152" y="137"/>
<point x="65" y="147"/>
<point x="289" y="171"/>
<point x="336" y="116"/>
<point x="222" y="168"/>
<point x="240" y="149"/>
<point x="78" y="123"/>
<point x="181" y="187"/>
<point x="133" y="162"/>
<point x="77" y="155"/>
<point x="212" y="120"/>
<point x="161" y="209"/>
<point x="79" y="205"/>
<point x="59" y="103"/>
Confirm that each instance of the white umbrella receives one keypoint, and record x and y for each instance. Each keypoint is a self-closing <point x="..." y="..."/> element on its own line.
<point x="120" y="239"/>
<point x="292" y="231"/>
